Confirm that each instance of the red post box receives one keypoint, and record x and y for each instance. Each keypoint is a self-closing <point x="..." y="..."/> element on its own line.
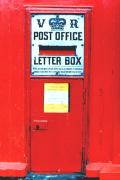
<point x="60" y="89"/>
<point x="58" y="83"/>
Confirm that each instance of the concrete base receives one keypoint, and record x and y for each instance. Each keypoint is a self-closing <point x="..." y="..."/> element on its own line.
<point x="74" y="176"/>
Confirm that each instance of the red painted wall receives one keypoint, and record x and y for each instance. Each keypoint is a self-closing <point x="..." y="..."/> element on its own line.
<point x="104" y="104"/>
<point x="12" y="88"/>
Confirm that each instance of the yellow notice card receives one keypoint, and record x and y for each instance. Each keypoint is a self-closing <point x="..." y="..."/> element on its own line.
<point x="56" y="97"/>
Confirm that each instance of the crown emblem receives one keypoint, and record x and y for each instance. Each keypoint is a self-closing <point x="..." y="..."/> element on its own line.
<point x="57" y="23"/>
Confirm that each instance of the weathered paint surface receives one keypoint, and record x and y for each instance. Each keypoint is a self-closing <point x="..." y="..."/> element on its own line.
<point x="104" y="113"/>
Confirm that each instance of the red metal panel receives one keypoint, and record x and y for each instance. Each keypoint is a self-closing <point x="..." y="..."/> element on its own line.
<point x="56" y="148"/>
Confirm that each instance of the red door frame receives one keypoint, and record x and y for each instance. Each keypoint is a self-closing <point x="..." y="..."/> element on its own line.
<point x="87" y="57"/>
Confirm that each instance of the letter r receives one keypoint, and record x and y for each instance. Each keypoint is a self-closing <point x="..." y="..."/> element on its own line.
<point x="73" y="23"/>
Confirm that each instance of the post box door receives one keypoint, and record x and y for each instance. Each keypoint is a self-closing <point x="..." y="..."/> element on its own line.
<point x="57" y="84"/>
<point x="56" y="137"/>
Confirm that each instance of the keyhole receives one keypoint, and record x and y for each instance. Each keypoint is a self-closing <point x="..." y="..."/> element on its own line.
<point x="37" y="127"/>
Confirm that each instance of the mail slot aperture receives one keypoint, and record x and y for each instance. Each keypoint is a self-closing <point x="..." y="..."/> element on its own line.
<point x="57" y="50"/>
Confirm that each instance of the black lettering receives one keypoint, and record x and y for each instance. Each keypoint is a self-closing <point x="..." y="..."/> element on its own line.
<point x="67" y="60"/>
<point x="67" y="35"/>
<point x="80" y="36"/>
<point x="50" y="35"/>
<point x="58" y="60"/>
<point x="73" y="23"/>
<point x="57" y="36"/>
<point x="35" y="61"/>
<point x="70" y="35"/>
<point x="54" y="60"/>
<point x="45" y="35"/>
<point x="40" y="24"/>
<point x="40" y="35"/>
<point x="72" y="60"/>
<point x="62" y="35"/>
<point x="35" y="35"/>
<point x="49" y="58"/>
<point x="40" y="61"/>
<point x="44" y="60"/>
<point x="78" y="60"/>
<point x="75" y="36"/>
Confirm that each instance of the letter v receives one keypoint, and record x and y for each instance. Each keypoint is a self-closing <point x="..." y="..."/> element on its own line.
<point x="40" y="24"/>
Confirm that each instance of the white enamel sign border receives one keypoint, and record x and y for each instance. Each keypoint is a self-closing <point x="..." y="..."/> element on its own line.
<point x="57" y="31"/>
